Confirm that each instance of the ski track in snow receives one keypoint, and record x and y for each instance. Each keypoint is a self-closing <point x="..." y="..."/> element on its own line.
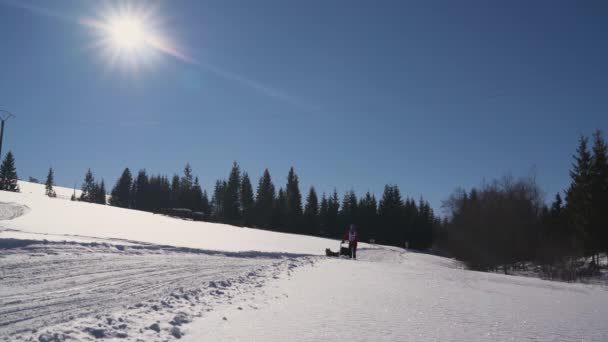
<point x="54" y="291"/>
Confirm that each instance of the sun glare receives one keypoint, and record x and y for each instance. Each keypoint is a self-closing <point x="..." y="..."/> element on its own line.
<point x="130" y="36"/>
<point x="127" y="33"/>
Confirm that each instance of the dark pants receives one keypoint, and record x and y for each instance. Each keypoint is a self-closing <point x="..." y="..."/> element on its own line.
<point x="353" y="250"/>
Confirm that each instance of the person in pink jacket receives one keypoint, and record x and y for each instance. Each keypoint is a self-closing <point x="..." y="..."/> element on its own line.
<point x="352" y="237"/>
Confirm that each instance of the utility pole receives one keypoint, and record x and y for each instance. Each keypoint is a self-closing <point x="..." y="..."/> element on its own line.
<point x="4" y="115"/>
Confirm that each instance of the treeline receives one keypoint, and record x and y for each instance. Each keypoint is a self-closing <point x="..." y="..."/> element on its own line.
<point x="391" y="220"/>
<point x="505" y="223"/>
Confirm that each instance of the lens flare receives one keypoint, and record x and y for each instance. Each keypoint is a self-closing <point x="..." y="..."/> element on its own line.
<point x="127" y="33"/>
<point x="131" y="36"/>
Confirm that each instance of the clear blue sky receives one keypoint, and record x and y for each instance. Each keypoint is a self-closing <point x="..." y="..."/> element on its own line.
<point x="429" y="95"/>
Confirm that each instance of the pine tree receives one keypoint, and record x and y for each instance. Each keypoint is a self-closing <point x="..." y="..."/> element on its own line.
<point x="121" y="193"/>
<point x="205" y="206"/>
<point x="218" y="201"/>
<point x="555" y="240"/>
<point x="578" y="197"/>
<point x="186" y="196"/>
<point x="422" y="237"/>
<point x="557" y="206"/>
<point x="88" y="188"/>
<point x="159" y="193"/>
<point x="323" y="216"/>
<point x="247" y="201"/>
<point x="197" y="196"/>
<point x="409" y="228"/>
<point x="280" y="211"/>
<point x="176" y="191"/>
<point x="349" y="210"/>
<point x="140" y="191"/>
<point x="101" y="193"/>
<point x="187" y="178"/>
<point x="265" y="199"/>
<point x="8" y="174"/>
<point x="368" y="217"/>
<point x="294" y="202"/>
<point x="333" y="209"/>
<point x="390" y="216"/>
<point x="232" y="206"/>
<point x="599" y="193"/>
<point x="50" y="182"/>
<point x="311" y="213"/>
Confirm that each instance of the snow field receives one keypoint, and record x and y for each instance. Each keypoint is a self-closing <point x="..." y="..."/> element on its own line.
<point x="388" y="295"/>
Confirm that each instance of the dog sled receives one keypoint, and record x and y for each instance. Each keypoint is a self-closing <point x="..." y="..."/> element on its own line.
<point x="343" y="250"/>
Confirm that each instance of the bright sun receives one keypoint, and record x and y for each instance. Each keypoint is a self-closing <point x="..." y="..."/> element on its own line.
<point x="127" y="33"/>
<point x="131" y="36"/>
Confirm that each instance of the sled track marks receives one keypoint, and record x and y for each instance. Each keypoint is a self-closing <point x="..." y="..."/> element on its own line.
<point x="75" y="286"/>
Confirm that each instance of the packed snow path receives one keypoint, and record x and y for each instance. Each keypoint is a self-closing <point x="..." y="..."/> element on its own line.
<point x="43" y="285"/>
<point x="391" y="295"/>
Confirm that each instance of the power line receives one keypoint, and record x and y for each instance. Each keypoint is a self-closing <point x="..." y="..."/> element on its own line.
<point x="4" y="115"/>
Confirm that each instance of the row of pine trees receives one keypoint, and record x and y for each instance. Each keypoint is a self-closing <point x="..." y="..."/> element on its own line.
<point x="391" y="220"/>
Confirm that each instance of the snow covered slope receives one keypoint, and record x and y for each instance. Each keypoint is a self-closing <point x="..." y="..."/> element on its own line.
<point x="57" y="216"/>
<point x="39" y="189"/>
